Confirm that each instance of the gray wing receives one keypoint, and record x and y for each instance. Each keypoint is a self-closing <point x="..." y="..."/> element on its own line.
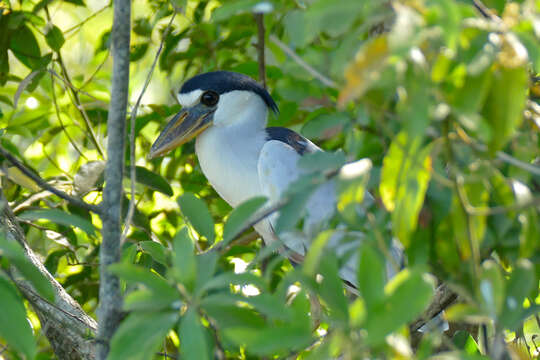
<point x="277" y="168"/>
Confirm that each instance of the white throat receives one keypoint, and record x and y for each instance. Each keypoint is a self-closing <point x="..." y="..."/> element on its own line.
<point x="241" y="108"/>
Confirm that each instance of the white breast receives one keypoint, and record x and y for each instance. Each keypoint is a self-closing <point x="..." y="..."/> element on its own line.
<point x="228" y="157"/>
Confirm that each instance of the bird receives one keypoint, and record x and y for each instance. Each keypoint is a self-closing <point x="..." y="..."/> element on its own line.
<point x="227" y="113"/>
<point x="242" y="158"/>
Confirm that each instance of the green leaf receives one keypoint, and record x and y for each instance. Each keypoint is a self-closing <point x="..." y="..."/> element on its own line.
<point x="331" y="289"/>
<point x="15" y="254"/>
<point x="137" y="51"/>
<point x="60" y="217"/>
<point x="140" y="335"/>
<point x="491" y="289"/>
<point x="229" y="278"/>
<point x="240" y="216"/>
<point x="518" y="286"/>
<point x="297" y="28"/>
<point x="140" y="220"/>
<point x="351" y="184"/>
<point x="193" y="338"/>
<point x="269" y="340"/>
<point x="25" y="47"/>
<point x="533" y="50"/>
<point x="148" y="178"/>
<point x="54" y="38"/>
<point x="463" y="340"/>
<point x="316" y="252"/>
<point x="198" y="215"/>
<point x="230" y="316"/>
<point x="156" y="250"/>
<point x="334" y="20"/>
<point x="276" y="338"/>
<point x="504" y="105"/>
<point x="76" y="2"/>
<point x="325" y="126"/>
<point x="206" y="267"/>
<point x="371" y="276"/>
<point x="530" y="232"/>
<point x="142" y="27"/>
<point x="14" y="326"/>
<point x="405" y="176"/>
<point x="267" y="304"/>
<point x="146" y="300"/>
<point x="232" y="8"/>
<point x="321" y="161"/>
<point x="466" y="312"/>
<point x="468" y="100"/>
<point x="134" y="274"/>
<point x="410" y="284"/>
<point x="184" y="261"/>
<point x="294" y="209"/>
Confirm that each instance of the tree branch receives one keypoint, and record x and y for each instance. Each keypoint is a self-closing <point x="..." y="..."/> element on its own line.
<point x="259" y="19"/>
<point x="109" y="312"/>
<point x="46" y="186"/>
<point x="67" y="327"/>
<point x="444" y="297"/>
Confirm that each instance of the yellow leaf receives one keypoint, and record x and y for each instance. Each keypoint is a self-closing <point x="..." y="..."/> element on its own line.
<point x="21" y="179"/>
<point x="365" y="69"/>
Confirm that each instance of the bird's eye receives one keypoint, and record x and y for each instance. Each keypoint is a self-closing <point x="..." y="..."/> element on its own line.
<point x="209" y="98"/>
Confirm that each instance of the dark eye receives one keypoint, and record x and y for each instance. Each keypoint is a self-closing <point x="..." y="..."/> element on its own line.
<point x="209" y="98"/>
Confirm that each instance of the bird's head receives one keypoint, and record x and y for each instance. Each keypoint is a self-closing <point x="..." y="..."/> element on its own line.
<point x="219" y="98"/>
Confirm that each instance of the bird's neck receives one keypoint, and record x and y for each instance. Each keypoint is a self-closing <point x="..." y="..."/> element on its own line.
<point x="241" y="111"/>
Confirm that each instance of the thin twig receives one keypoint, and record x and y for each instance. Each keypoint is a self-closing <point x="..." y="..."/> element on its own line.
<point x="91" y="77"/>
<point x="75" y="27"/>
<point x="80" y="108"/>
<point x="75" y="95"/>
<point x="259" y="19"/>
<point x="57" y="109"/>
<point x="322" y="78"/>
<point x="133" y="117"/>
<point x="73" y="87"/>
<point x="483" y="10"/>
<point x="462" y="135"/>
<point x="165" y="355"/>
<point x="496" y="210"/>
<point x="44" y="185"/>
<point x="535" y="170"/>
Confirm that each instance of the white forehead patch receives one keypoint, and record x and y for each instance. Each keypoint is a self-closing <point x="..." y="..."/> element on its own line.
<point x="190" y="98"/>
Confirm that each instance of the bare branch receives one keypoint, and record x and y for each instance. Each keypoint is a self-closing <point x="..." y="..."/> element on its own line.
<point x="44" y="185"/>
<point x="110" y="296"/>
<point x="259" y="19"/>
<point x="67" y="327"/>
<point x="443" y="298"/>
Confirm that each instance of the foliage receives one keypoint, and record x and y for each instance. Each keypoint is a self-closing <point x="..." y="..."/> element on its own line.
<point x="443" y="100"/>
